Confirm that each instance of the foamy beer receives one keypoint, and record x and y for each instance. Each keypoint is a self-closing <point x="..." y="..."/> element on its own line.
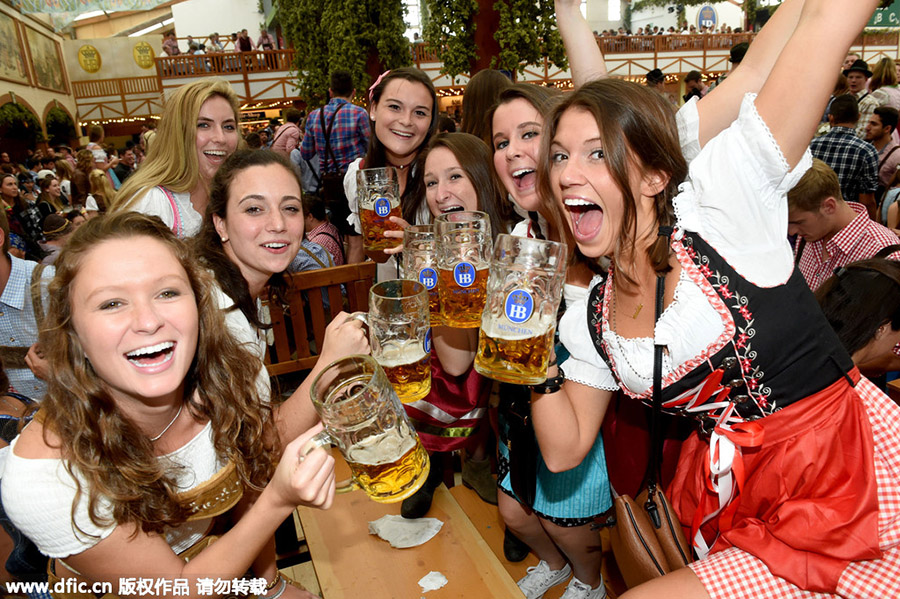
<point x="400" y="335"/>
<point x="378" y="196"/>
<point x="463" y="257"/>
<point x="519" y="318"/>
<point x="364" y="418"/>
<point x="420" y="264"/>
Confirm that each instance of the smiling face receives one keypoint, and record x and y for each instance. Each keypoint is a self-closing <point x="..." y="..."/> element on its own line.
<point x="516" y="131"/>
<point x="402" y="118"/>
<point x="584" y="186"/>
<point x="135" y="315"/>
<point x="447" y="186"/>
<point x="263" y="224"/>
<point x="54" y="189"/>
<point x="217" y="135"/>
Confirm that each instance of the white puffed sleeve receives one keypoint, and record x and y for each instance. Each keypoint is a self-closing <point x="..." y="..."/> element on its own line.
<point x="584" y="364"/>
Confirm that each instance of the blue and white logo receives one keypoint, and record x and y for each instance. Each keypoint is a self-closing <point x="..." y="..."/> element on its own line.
<point x="707" y="17"/>
<point x="464" y="274"/>
<point x="382" y="207"/>
<point x="427" y="345"/>
<point x="428" y="277"/>
<point x="519" y="306"/>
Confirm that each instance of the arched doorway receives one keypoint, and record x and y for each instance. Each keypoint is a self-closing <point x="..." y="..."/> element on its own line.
<point x="20" y="130"/>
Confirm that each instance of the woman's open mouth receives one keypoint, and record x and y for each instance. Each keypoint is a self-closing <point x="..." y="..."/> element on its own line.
<point x="152" y="355"/>
<point x="586" y="217"/>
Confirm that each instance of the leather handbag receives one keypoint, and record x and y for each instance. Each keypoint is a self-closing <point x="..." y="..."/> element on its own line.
<point x="647" y="539"/>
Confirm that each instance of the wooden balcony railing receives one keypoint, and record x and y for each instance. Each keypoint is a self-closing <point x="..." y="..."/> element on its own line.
<point x="98" y="88"/>
<point x="222" y="63"/>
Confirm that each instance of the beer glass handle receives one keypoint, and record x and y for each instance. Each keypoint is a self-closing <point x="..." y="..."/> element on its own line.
<point x="363" y="317"/>
<point x="322" y="439"/>
<point x="325" y="441"/>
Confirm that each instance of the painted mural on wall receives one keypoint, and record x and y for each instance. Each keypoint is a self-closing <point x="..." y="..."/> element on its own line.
<point x="12" y="61"/>
<point x="46" y="60"/>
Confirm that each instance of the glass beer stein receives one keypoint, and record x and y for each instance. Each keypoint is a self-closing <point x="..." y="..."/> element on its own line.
<point x="463" y="257"/>
<point x="519" y="319"/>
<point x="378" y="196"/>
<point x="366" y="421"/>
<point x="400" y="335"/>
<point x="420" y="264"/>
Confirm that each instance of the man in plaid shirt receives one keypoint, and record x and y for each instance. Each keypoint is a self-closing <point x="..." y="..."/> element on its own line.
<point x="855" y="161"/>
<point x="832" y="233"/>
<point x="348" y="139"/>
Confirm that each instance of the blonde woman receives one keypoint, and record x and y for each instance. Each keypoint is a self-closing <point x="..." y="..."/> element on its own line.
<point x="884" y="83"/>
<point x="198" y="131"/>
<point x="101" y="190"/>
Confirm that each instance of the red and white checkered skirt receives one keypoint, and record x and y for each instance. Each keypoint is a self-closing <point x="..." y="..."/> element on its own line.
<point x="736" y="571"/>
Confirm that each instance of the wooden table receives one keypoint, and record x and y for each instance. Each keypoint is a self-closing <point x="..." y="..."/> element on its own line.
<point x="352" y="564"/>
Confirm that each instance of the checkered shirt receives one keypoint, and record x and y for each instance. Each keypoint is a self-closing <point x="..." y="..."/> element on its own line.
<point x="867" y="105"/>
<point x="855" y="161"/>
<point x="861" y="239"/>
<point x="349" y="135"/>
<point x="17" y="324"/>
<point x="328" y="237"/>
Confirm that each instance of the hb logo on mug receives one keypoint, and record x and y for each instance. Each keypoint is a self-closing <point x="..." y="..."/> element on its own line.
<point x="519" y="306"/>
<point x="382" y="207"/>
<point x="428" y="278"/>
<point x="464" y="274"/>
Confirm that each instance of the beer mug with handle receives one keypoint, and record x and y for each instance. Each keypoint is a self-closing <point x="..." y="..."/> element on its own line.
<point x="420" y="264"/>
<point x="464" y="255"/>
<point x="378" y="196"/>
<point x="400" y="335"/>
<point x="519" y="319"/>
<point x="365" y="420"/>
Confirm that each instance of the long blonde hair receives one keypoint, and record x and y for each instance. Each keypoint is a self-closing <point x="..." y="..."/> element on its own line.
<point x="172" y="159"/>
<point x="102" y="189"/>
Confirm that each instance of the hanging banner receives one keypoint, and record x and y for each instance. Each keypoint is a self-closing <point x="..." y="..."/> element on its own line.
<point x="886" y="17"/>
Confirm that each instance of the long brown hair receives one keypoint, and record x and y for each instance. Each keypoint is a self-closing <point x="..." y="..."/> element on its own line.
<point x="637" y="129"/>
<point x="474" y="157"/>
<point x="103" y="447"/>
<point x="207" y="245"/>
<point x="480" y="94"/>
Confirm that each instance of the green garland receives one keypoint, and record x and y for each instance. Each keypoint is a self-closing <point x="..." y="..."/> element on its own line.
<point x="451" y="27"/>
<point x="60" y="128"/>
<point x="527" y="33"/>
<point x="21" y="123"/>
<point x="331" y="36"/>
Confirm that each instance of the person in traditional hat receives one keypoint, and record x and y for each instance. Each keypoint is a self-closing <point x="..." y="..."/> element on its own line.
<point x="857" y="76"/>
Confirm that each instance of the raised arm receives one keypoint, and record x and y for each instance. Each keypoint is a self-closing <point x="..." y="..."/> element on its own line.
<point x="797" y="90"/>
<point x="585" y="58"/>
<point x="720" y="107"/>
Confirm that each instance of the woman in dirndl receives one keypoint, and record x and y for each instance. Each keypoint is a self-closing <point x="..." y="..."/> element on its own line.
<point x="789" y="487"/>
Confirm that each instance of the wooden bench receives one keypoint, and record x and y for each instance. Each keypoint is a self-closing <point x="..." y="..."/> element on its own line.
<point x="294" y="349"/>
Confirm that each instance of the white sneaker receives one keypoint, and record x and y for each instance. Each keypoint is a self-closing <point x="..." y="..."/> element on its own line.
<point x="578" y="590"/>
<point x="541" y="578"/>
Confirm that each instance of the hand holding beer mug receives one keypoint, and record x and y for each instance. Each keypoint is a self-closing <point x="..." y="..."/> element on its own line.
<point x="519" y="319"/>
<point x="378" y="196"/>
<point x="420" y="264"/>
<point x="364" y="418"/>
<point x="464" y="254"/>
<point x="400" y="335"/>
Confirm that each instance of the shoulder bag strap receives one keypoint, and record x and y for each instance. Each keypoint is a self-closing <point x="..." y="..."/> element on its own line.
<point x="885" y="159"/>
<point x="175" y="211"/>
<point x="326" y="131"/>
